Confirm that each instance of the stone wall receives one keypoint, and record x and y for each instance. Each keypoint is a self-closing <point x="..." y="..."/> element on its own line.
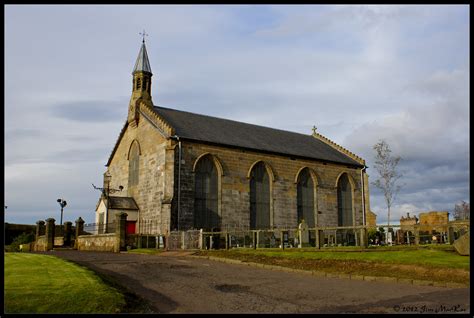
<point x="101" y="242"/>
<point x="58" y="241"/>
<point x="40" y="244"/>
<point x="235" y="186"/>
<point x="371" y="220"/>
<point x="434" y="220"/>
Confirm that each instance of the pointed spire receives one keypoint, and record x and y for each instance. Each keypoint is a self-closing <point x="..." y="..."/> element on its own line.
<point x="142" y="64"/>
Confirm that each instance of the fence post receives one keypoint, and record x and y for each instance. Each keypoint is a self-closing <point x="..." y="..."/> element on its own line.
<point x="200" y="239"/>
<point x="50" y="234"/>
<point x="120" y="231"/>
<point x="281" y="240"/>
<point x="254" y="239"/>
<point x="226" y="240"/>
<point x="182" y="240"/>
<point x="318" y="238"/>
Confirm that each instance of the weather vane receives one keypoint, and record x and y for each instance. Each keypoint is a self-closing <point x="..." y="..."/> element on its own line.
<point x="143" y="34"/>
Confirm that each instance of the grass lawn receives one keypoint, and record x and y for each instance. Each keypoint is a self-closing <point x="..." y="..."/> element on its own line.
<point x="440" y="264"/>
<point x="36" y="283"/>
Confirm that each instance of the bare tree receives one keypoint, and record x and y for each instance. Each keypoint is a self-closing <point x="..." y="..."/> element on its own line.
<point x="386" y="166"/>
<point x="462" y="211"/>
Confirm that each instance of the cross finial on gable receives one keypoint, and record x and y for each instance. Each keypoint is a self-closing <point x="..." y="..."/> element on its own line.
<point x="143" y="34"/>
<point x="314" y="130"/>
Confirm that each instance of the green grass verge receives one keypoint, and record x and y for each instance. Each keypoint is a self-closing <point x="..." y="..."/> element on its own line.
<point x="423" y="257"/>
<point x="36" y="283"/>
<point x="149" y="251"/>
<point x="440" y="264"/>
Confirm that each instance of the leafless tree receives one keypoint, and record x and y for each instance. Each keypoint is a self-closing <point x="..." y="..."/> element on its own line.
<point x="386" y="166"/>
<point x="462" y="211"/>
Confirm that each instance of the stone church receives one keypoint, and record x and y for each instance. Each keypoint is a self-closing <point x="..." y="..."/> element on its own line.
<point x="182" y="170"/>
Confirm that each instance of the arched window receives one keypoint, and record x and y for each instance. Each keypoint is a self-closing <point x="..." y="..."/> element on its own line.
<point x="139" y="83"/>
<point x="133" y="165"/>
<point x="344" y="201"/>
<point x="305" y="198"/>
<point x="259" y="197"/>
<point x="206" y="214"/>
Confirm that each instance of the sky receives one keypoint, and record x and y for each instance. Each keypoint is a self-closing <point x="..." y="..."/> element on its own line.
<point x="358" y="73"/>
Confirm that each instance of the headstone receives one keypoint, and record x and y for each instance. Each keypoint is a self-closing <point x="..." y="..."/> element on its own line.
<point x="286" y="241"/>
<point x="272" y="241"/>
<point x="303" y="234"/>
<point x="389" y="238"/>
<point x="461" y="245"/>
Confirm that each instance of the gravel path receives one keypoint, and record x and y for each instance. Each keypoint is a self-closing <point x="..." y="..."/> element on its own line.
<point x="174" y="283"/>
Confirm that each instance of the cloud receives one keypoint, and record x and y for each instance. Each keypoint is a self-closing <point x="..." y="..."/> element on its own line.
<point x="359" y="73"/>
<point x="431" y="134"/>
<point x="91" y="111"/>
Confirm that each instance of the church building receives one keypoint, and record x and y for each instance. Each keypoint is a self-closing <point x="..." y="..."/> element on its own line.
<point x="180" y="170"/>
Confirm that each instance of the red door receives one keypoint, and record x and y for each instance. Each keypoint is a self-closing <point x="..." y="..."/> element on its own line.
<point x="130" y="227"/>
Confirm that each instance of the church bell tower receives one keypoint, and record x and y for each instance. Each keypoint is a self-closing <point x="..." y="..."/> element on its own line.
<point x="141" y="90"/>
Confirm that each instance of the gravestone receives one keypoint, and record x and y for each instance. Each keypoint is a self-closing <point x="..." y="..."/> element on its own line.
<point x="303" y="234"/>
<point x="461" y="245"/>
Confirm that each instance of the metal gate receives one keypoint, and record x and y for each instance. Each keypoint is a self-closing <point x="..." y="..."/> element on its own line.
<point x="184" y="240"/>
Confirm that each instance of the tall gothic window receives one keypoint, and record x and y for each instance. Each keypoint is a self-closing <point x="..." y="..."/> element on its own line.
<point x="133" y="165"/>
<point x="259" y="197"/>
<point x="344" y="201"/>
<point x="305" y="198"/>
<point x="139" y="83"/>
<point x="205" y="195"/>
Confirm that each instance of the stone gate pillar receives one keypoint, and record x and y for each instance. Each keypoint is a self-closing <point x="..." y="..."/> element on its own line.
<point x="120" y="231"/>
<point x="39" y="229"/>
<point x="50" y="233"/>
<point x="79" y="231"/>
<point x="67" y="233"/>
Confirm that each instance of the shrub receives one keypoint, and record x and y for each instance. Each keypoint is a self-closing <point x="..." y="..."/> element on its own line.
<point x="23" y="238"/>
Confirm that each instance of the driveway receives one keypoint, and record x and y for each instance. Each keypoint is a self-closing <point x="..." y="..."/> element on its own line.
<point x="174" y="283"/>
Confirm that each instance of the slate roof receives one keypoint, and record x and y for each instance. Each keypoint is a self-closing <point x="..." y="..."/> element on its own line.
<point x="122" y="203"/>
<point x="220" y="131"/>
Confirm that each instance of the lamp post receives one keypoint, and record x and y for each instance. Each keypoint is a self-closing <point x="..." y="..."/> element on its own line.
<point x="106" y="191"/>
<point x="62" y="203"/>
